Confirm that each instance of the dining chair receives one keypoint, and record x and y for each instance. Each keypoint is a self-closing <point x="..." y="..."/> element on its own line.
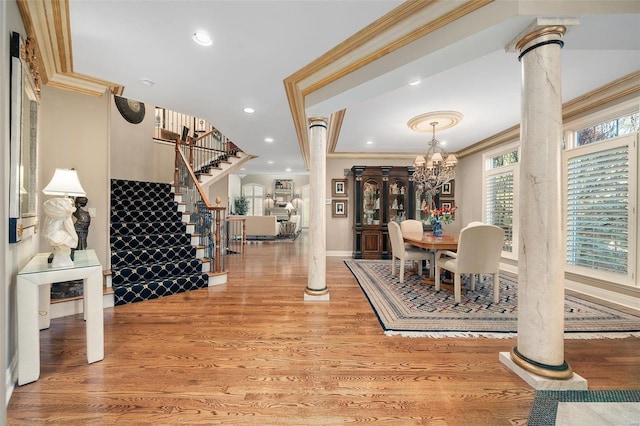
<point x="414" y="227"/>
<point x="479" y="252"/>
<point x="402" y="253"/>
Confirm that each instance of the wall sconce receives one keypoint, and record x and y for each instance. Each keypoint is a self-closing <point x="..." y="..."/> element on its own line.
<point x="58" y="228"/>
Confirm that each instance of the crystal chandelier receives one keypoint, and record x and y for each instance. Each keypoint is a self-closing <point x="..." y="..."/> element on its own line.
<point x="436" y="167"/>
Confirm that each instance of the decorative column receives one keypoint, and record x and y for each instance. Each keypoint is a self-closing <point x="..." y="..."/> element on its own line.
<point x="317" y="280"/>
<point x="541" y="257"/>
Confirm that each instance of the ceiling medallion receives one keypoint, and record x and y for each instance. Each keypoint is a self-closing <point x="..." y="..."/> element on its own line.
<point x="444" y="120"/>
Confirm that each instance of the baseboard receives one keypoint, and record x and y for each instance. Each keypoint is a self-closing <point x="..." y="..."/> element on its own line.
<point x="11" y="378"/>
<point x="73" y="307"/>
<point x="339" y="253"/>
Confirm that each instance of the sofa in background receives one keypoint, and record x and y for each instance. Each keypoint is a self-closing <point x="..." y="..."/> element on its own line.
<point x="261" y="227"/>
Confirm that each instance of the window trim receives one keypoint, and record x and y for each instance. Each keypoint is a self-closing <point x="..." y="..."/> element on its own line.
<point x="260" y="199"/>
<point x="487" y="172"/>
<point x="630" y="140"/>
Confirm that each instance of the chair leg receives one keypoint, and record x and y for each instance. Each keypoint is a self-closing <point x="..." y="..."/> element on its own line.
<point x="402" y="262"/>
<point x="496" y="288"/>
<point x="393" y="266"/>
<point x="472" y="280"/>
<point x="437" y="277"/>
<point x="456" y="287"/>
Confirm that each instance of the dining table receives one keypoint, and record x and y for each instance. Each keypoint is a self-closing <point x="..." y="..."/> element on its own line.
<point x="428" y="241"/>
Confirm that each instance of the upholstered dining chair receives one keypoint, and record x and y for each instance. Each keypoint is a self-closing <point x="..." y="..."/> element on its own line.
<point x="400" y="252"/>
<point x="479" y="251"/>
<point x="413" y="227"/>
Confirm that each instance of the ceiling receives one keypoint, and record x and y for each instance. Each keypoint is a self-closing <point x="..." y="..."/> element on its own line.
<point x="257" y="45"/>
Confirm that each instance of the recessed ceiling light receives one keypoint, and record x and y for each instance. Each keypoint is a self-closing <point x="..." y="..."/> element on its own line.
<point x="249" y="110"/>
<point x="202" y="38"/>
<point x="369" y="142"/>
<point x="270" y="162"/>
<point x="288" y="169"/>
<point x="268" y="140"/>
<point x="146" y="82"/>
<point x="414" y="82"/>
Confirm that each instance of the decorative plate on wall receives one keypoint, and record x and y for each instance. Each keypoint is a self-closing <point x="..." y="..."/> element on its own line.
<point x="131" y="110"/>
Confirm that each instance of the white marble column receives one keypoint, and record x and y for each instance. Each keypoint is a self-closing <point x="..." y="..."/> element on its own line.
<point x="317" y="280"/>
<point x="541" y="257"/>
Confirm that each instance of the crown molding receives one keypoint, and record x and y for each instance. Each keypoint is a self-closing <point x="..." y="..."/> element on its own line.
<point x="335" y="124"/>
<point x="373" y="155"/>
<point x="405" y="24"/>
<point x="616" y="91"/>
<point x="47" y="24"/>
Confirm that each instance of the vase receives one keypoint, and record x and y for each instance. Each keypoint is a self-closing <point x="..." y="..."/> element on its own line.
<point x="436" y="227"/>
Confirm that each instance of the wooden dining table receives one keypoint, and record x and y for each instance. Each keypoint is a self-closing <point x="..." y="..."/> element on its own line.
<point x="427" y="241"/>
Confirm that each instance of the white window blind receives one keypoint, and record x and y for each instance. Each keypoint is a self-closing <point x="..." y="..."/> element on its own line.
<point x="499" y="205"/>
<point x="255" y="196"/>
<point x="597" y="220"/>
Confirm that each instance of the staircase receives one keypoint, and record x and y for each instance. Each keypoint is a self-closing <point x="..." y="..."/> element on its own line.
<point x="151" y="252"/>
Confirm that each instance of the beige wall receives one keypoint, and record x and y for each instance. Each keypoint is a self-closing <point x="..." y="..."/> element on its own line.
<point x="14" y="256"/>
<point x="134" y="155"/>
<point x="74" y="131"/>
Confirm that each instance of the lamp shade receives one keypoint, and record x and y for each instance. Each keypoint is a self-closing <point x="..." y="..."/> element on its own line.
<point x="289" y="206"/>
<point x="65" y="182"/>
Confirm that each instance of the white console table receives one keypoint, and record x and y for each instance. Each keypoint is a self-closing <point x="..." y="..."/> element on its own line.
<point x="34" y="296"/>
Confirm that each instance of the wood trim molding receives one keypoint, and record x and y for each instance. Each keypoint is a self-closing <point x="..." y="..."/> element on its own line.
<point x="335" y="124"/>
<point x="405" y="24"/>
<point x="47" y="24"/>
<point x="615" y="91"/>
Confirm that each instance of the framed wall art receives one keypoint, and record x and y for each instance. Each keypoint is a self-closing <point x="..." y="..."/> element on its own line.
<point x="338" y="188"/>
<point x="339" y="208"/>
<point x="23" y="128"/>
<point x="447" y="189"/>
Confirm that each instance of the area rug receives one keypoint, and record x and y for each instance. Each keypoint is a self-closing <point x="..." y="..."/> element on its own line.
<point x="415" y="309"/>
<point x="607" y="406"/>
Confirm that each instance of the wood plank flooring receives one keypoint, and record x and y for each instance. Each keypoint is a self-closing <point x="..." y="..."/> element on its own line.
<point x="252" y="352"/>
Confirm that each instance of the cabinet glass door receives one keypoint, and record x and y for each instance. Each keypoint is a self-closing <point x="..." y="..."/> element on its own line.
<point x="371" y="203"/>
<point x="397" y="201"/>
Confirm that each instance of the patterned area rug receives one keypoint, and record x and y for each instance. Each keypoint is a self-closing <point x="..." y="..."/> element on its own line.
<point x="415" y="309"/>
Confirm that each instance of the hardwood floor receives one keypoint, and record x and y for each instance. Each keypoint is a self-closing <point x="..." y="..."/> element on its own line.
<point x="252" y="352"/>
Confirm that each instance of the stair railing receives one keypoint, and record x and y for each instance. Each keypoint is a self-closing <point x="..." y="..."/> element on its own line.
<point x="208" y="151"/>
<point x="209" y="220"/>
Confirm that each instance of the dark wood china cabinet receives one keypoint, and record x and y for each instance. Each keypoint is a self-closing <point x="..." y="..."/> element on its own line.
<point x="382" y="194"/>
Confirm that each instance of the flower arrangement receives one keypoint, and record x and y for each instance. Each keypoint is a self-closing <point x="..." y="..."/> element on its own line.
<point x="443" y="214"/>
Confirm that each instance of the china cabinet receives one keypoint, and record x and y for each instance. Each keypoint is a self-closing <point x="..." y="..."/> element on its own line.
<point x="382" y="194"/>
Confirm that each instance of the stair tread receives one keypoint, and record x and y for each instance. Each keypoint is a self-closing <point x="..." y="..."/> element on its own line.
<point x="147" y="262"/>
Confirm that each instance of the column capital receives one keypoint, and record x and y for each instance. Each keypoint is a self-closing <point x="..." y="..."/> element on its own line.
<point x="318" y="121"/>
<point x="541" y="27"/>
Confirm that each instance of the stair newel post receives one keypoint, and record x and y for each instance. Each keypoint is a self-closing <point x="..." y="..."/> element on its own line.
<point x="219" y="252"/>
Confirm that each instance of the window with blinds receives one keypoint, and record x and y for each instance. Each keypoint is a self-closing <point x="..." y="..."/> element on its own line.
<point x="255" y="196"/>
<point x="597" y="215"/>
<point x="499" y="205"/>
<point x="500" y="181"/>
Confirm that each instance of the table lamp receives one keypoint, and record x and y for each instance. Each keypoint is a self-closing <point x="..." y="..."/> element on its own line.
<point x="58" y="228"/>
<point x="289" y="207"/>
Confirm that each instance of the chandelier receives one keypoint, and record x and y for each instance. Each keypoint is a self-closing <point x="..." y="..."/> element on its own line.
<point x="436" y="167"/>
